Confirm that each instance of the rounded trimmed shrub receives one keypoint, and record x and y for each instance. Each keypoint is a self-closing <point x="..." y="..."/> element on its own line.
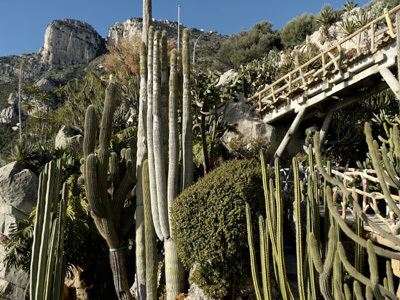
<point x="209" y="224"/>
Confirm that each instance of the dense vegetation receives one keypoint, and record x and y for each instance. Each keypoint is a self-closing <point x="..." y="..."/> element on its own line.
<point x="208" y="221"/>
<point x="208" y="218"/>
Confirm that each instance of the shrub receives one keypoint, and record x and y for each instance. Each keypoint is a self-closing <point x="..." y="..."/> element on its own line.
<point x="295" y="31"/>
<point x="209" y="224"/>
<point x="246" y="46"/>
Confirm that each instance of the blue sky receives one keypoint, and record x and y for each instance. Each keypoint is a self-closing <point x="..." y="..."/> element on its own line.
<point x="23" y="22"/>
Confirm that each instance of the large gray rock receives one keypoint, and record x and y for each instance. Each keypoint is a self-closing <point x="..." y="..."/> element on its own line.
<point x="69" y="42"/>
<point x="249" y="126"/>
<point x="18" y="195"/>
<point x="8" y="115"/>
<point x="68" y="137"/>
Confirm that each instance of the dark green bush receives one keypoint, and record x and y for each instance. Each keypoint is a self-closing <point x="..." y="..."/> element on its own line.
<point x="295" y="31"/>
<point x="245" y="46"/>
<point x="209" y="224"/>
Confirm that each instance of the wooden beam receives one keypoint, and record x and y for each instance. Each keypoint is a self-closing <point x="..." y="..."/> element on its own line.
<point x="391" y="81"/>
<point x="292" y="129"/>
<point x="325" y="127"/>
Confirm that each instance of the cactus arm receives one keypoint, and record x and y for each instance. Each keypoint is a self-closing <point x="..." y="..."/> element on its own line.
<point x="164" y="93"/>
<point x="120" y="195"/>
<point x="254" y="272"/>
<point x="114" y="171"/>
<point x="37" y="231"/>
<point x="187" y="122"/>
<point x="89" y="139"/>
<point x="299" y="232"/>
<point x="265" y="259"/>
<point x="389" y="276"/>
<point x="373" y="150"/>
<point x="358" y="276"/>
<point x="150" y="146"/>
<point x="51" y="258"/>
<point x="357" y="290"/>
<point x="374" y="274"/>
<point x="41" y="270"/>
<point x="342" y="224"/>
<point x="369" y="294"/>
<point x="60" y="271"/>
<point x="150" y="236"/>
<point x="390" y="174"/>
<point x="158" y="146"/>
<point x="173" y="141"/>
<point x="92" y="187"/>
<point x="357" y="208"/>
<point x="347" y="292"/>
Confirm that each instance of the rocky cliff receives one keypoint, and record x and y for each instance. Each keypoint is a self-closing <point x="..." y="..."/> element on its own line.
<point x="208" y="43"/>
<point x="69" y="42"/>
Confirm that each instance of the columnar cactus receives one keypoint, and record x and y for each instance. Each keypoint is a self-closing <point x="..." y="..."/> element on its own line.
<point x="141" y="156"/>
<point x="151" y="244"/>
<point x="187" y="122"/>
<point x="108" y="183"/>
<point x="47" y="262"/>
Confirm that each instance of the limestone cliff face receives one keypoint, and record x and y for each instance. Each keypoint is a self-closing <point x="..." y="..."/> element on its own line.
<point x="131" y="27"/>
<point x="69" y="42"/>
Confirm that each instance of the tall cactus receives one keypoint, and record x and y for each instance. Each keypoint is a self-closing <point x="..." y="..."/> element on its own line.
<point x="140" y="157"/>
<point x="164" y="183"/>
<point x="187" y="122"/>
<point x="108" y="184"/>
<point x="151" y="244"/>
<point x="47" y="262"/>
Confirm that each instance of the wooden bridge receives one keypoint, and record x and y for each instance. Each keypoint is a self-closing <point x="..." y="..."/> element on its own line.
<point x="360" y="65"/>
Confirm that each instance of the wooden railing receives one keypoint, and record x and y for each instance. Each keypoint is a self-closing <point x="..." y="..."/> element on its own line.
<point x="334" y="60"/>
<point x="366" y="176"/>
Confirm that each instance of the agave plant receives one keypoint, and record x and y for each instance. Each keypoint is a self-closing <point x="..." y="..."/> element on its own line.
<point x="362" y="18"/>
<point x="348" y="26"/>
<point x="349" y="6"/>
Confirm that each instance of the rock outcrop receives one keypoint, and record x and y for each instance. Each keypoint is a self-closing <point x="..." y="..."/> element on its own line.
<point x="67" y="137"/>
<point x="18" y="194"/>
<point x="69" y="42"/>
<point x="248" y="125"/>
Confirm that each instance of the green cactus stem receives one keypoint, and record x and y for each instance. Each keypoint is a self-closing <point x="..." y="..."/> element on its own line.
<point x="187" y="122"/>
<point x="151" y="243"/>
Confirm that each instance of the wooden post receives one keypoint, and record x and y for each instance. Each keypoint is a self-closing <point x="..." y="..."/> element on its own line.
<point x="260" y="102"/>
<point x="372" y="36"/>
<point x="391" y="81"/>
<point x="292" y="129"/>
<point x="389" y="23"/>
<point x="325" y="127"/>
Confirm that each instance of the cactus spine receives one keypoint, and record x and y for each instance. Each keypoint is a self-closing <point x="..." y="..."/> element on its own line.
<point x="47" y="262"/>
<point x="108" y="198"/>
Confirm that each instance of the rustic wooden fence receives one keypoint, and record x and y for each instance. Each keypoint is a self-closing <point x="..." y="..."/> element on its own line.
<point x="366" y="41"/>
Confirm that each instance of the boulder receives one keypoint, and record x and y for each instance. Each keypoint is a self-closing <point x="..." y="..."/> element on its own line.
<point x="69" y="42"/>
<point x="8" y="115"/>
<point x="195" y="292"/>
<point x="66" y="136"/>
<point x="18" y="195"/>
<point x="249" y="126"/>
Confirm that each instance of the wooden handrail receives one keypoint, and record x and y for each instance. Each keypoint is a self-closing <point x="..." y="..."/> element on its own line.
<point x="321" y="56"/>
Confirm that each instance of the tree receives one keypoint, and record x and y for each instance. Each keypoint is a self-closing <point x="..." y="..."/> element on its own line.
<point x="123" y="63"/>
<point x="247" y="45"/>
<point x="295" y="31"/>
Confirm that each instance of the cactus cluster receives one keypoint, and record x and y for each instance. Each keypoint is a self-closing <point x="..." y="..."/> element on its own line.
<point x="109" y="182"/>
<point x="159" y="179"/>
<point x="47" y="263"/>
<point x="322" y="265"/>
